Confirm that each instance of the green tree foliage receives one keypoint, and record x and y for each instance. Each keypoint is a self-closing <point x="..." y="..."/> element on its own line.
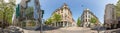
<point x="56" y="17"/>
<point x="49" y="21"/>
<point x="6" y="11"/>
<point x="93" y="20"/>
<point x="29" y="12"/>
<point x="118" y="9"/>
<point x="32" y="23"/>
<point x="78" y="22"/>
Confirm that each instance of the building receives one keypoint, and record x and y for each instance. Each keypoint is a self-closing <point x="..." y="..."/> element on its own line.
<point x="86" y="17"/>
<point x="66" y="15"/>
<point x="27" y="13"/>
<point x="110" y="16"/>
<point x="20" y="13"/>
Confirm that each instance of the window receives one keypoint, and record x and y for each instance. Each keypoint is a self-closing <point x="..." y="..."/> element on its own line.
<point x="86" y="20"/>
<point x="88" y="15"/>
<point x="61" y="11"/>
<point x="113" y="13"/>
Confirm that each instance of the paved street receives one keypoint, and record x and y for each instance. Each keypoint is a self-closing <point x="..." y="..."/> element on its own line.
<point x="65" y="30"/>
<point x="113" y="31"/>
<point x="49" y="29"/>
<point x="72" y="30"/>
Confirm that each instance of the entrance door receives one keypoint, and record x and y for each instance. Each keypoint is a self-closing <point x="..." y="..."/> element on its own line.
<point x="118" y="24"/>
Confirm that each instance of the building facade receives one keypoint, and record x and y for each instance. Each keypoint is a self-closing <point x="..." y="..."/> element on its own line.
<point x="110" y="16"/>
<point x="27" y="14"/>
<point x="20" y="13"/>
<point x="86" y="17"/>
<point x="66" y="15"/>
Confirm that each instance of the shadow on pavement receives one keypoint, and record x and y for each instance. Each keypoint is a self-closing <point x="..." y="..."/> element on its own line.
<point x="46" y="28"/>
<point x="113" y="31"/>
<point x="98" y="29"/>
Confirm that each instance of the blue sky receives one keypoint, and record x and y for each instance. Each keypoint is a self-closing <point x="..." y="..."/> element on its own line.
<point x="76" y="7"/>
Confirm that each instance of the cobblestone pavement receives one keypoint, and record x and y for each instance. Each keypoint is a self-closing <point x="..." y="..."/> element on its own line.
<point x="73" y="30"/>
<point x="66" y="30"/>
<point x="113" y="31"/>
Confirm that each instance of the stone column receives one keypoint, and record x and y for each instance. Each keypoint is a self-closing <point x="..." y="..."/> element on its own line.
<point x="67" y="24"/>
<point x="59" y="23"/>
<point x="84" y="24"/>
<point x="63" y="24"/>
<point x="56" y="24"/>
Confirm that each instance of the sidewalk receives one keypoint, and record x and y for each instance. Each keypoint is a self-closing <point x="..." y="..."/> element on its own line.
<point x="75" y="28"/>
<point x="31" y="31"/>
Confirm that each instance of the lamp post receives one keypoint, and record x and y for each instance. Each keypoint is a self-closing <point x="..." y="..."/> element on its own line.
<point x="40" y="13"/>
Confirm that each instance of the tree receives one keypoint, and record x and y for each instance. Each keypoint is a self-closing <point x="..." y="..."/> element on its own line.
<point x="48" y="22"/>
<point x="118" y="9"/>
<point x="6" y="12"/>
<point x="56" y="17"/>
<point x="93" y="20"/>
<point x="78" y="22"/>
<point x="29" y="12"/>
<point x="32" y="23"/>
<point x="29" y="15"/>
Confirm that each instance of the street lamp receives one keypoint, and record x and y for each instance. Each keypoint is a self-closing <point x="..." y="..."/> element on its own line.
<point x="39" y="12"/>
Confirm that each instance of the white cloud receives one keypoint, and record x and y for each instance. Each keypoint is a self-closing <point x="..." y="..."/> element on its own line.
<point x="18" y="1"/>
<point x="6" y="1"/>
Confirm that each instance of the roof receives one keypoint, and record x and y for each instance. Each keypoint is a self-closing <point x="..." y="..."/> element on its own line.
<point x="62" y="8"/>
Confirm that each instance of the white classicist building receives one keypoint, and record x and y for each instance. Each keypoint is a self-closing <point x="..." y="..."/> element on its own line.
<point x="66" y="15"/>
<point x="86" y="17"/>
